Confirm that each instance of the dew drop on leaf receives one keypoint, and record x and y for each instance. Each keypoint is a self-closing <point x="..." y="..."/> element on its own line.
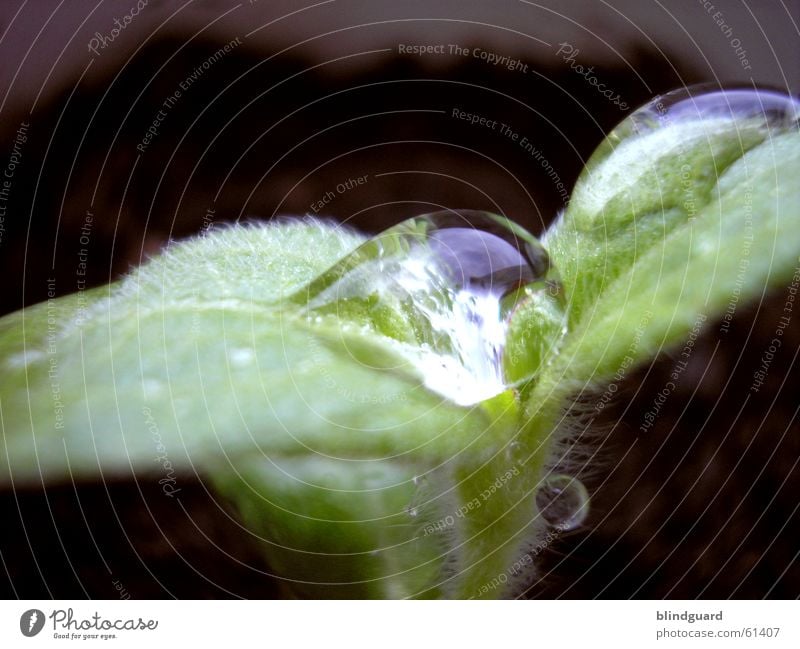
<point x="442" y="287"/>
<point x="515" y="453"/>
<point x="563" y="502"/>
<point x="773" y="110"/>
<point x="666" y="158"/>
<point x="241" y="356"/>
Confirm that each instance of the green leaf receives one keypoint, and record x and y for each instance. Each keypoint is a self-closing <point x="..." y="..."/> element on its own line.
<point x="636" y="189"/>
<point x="318" y="432"/>
<point x="740" y="245"/>
<point x="355" y="479"/>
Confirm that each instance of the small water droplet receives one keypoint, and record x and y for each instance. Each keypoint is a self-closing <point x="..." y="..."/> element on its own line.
<point x="419" y="496"/>
<point x="23" y="359"/>
<point x="152" y="388"/>
<point x="442" y="286"/>
<point x="563" y="502"/>
<point x="515" y="452"/>
<point x="241" y="356"/>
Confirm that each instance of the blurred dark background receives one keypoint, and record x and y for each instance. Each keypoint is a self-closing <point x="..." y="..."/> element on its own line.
<point x="307" y="97"/>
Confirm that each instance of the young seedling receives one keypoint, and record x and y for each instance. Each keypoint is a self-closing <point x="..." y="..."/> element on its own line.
<point x="389" y="416"/>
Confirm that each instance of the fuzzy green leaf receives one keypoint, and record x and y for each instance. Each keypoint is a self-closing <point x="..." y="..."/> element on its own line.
<point x="742" y="243"/>
<point x="317" y="431"/>
<point x="356" y="479"/>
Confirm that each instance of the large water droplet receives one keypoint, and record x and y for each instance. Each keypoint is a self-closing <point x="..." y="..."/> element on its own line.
<point x="563" y="502"/>
<point x="442" y="286"/>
